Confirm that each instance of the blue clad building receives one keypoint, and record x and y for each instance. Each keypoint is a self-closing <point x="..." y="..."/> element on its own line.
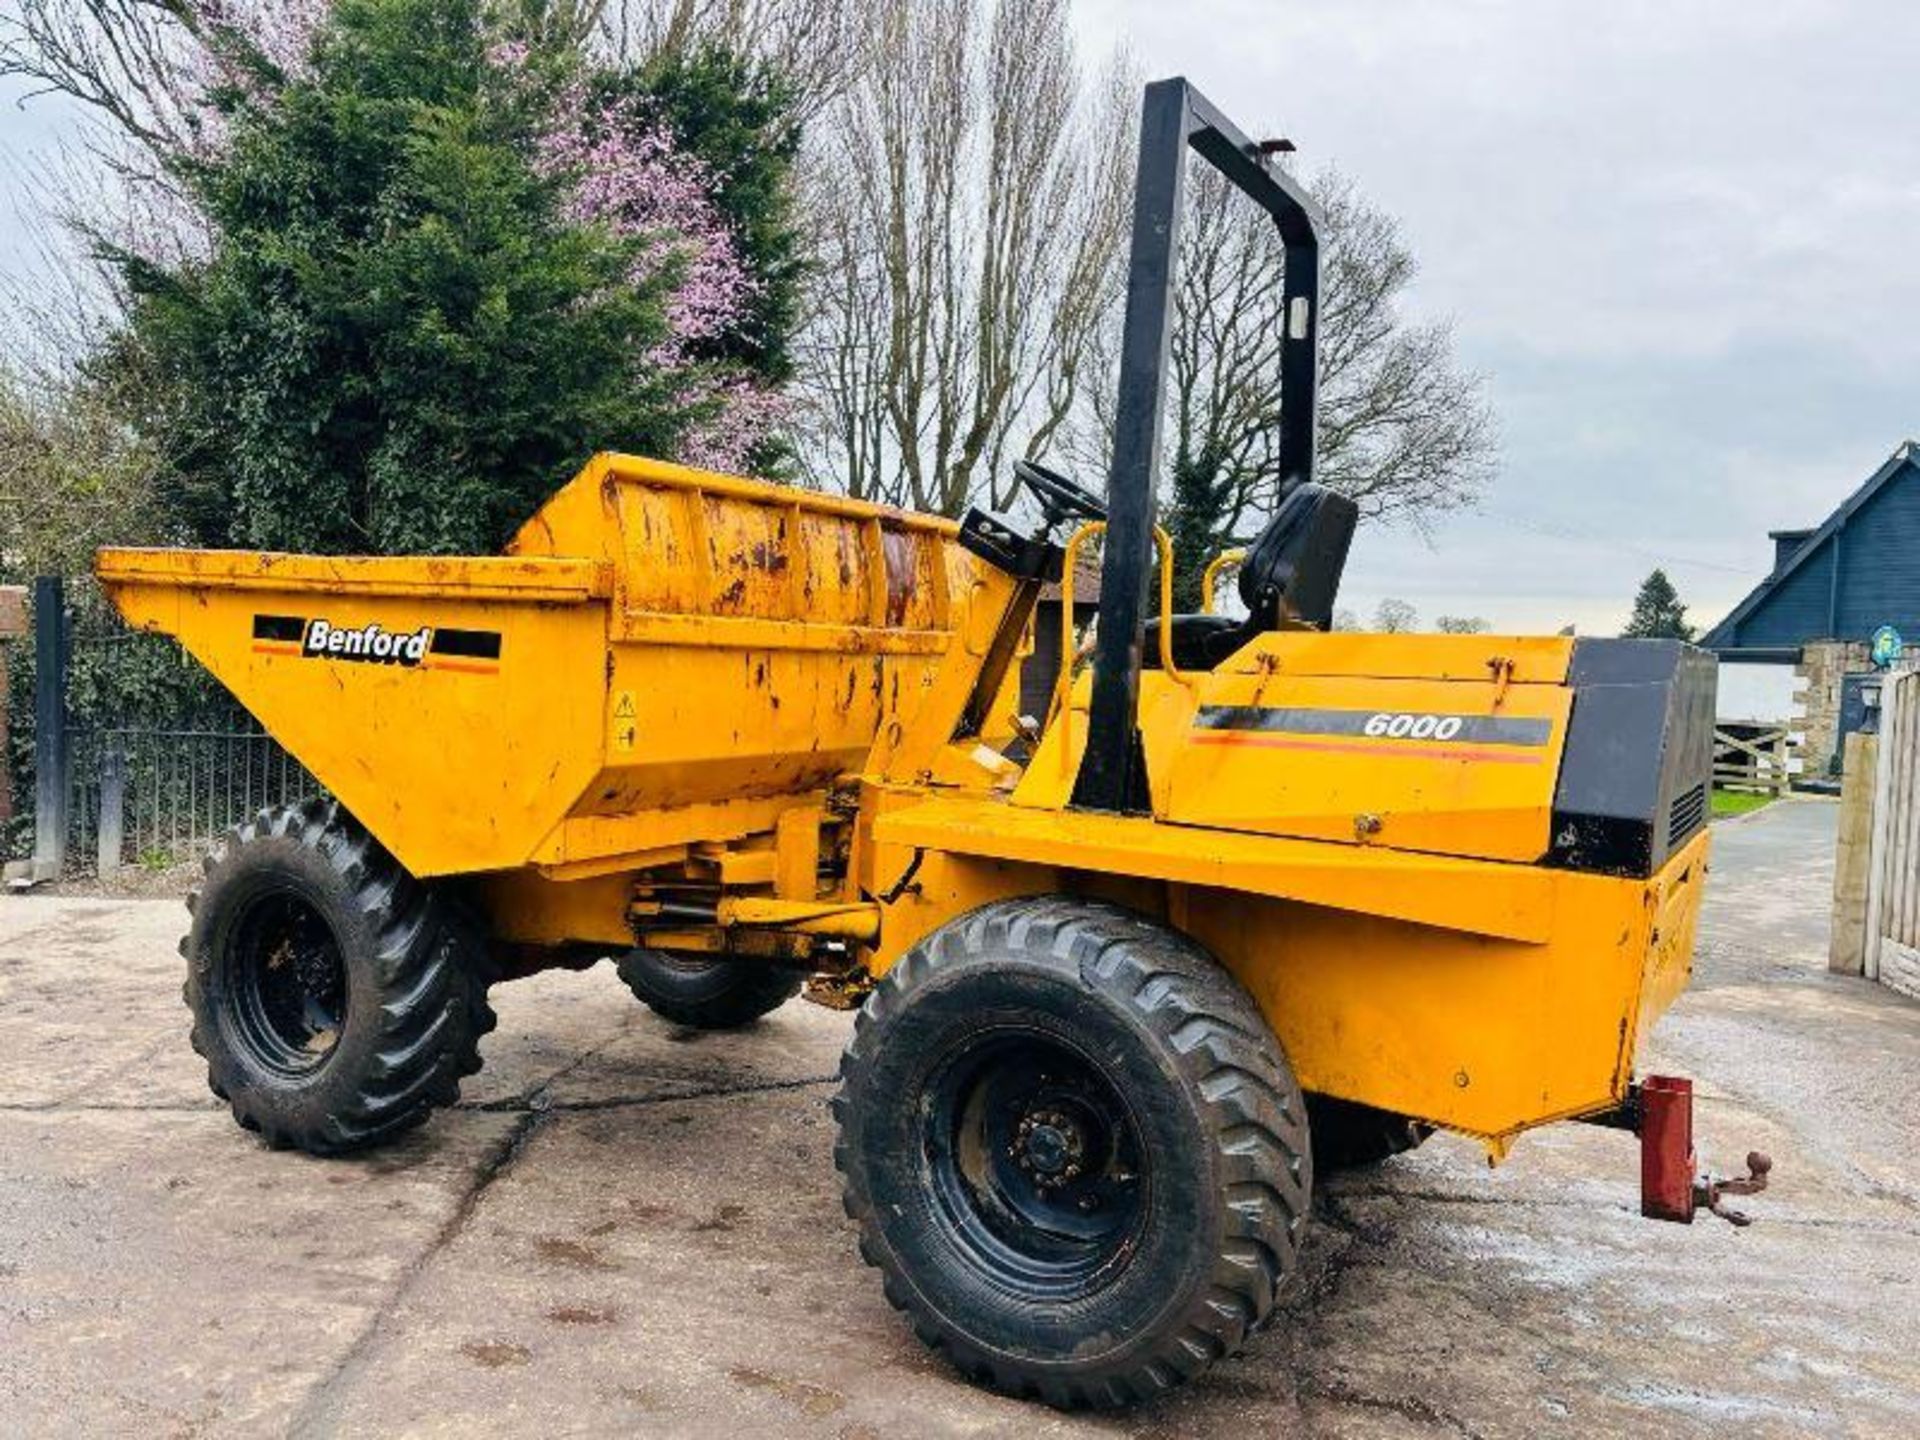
<point x="1859" y="570"/>
<point x="1830" y="589"/>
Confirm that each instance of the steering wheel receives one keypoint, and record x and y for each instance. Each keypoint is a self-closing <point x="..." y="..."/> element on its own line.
<point x="1060" y="499"/>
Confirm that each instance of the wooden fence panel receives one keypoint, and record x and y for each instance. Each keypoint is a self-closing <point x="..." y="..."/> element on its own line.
<point x="1893" y="898"/>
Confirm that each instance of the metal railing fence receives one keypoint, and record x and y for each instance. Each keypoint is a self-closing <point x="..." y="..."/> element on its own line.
<point x="145" y="759"/>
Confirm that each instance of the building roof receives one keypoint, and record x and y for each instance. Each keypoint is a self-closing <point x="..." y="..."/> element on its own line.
<point x="1826" y="585"/>
<point x="1086" y="582"/>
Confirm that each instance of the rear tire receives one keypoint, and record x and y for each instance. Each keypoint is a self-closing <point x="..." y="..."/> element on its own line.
<point x="718" y="994"/>
<point x="337" y="1000"/>
<point x="1350" y="1136"/>
<point x="1075" y="1151"/>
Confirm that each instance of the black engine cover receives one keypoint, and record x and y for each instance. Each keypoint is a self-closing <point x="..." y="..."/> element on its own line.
<point x="1636" y="774"/>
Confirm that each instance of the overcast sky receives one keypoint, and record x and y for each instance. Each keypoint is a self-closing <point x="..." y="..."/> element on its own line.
<point x="1681" y="241"/>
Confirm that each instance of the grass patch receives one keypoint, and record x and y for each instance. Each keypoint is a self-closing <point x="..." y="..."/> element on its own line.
<point x="1739" y="802"/>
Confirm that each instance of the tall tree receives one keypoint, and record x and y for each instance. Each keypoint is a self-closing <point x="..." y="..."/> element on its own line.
<point x="816" y="47"/>
<point x="72" y="476"/>
<point x="399" y="340"/>
<point x="1657" y="611"/>
<point x="969" y="202"/>
<point x="1460" y="625"/>
<point x="422" y="257"/>
<point x="1402" y="428"/>
<point x="1395" y="617"/>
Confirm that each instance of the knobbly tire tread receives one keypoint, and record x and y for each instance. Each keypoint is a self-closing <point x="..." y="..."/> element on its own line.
<point x="1252" y="1111"/>
<point x="735" y="993"/>
<point x="427" y="966"/>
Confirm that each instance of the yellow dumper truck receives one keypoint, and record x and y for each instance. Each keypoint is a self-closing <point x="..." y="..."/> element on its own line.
<point x="1258" y="895"/>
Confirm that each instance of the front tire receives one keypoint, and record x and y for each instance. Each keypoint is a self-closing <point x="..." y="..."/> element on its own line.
<point x="337" y="1000"/>
<point x="1075" y="1151"/>
<point x="717" y="994"/>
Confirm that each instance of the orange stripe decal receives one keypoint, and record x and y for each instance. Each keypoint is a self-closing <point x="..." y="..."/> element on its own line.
<point x="1385" y="749"/>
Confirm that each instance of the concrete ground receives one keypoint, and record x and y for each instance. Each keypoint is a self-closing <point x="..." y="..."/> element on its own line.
<point x="630" y="1228"/>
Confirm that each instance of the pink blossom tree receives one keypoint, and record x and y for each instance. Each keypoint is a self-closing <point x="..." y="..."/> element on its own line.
<point x="622" y="168"/>
<point x="168" y="88"/>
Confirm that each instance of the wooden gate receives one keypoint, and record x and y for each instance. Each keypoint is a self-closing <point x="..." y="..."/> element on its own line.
<point x="1893" y="890"/>
<point x="1752" y="755"/>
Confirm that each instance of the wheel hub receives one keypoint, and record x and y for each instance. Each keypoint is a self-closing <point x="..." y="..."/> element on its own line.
<point x="290" y="983"/>
<point x="1050" y="1147"/>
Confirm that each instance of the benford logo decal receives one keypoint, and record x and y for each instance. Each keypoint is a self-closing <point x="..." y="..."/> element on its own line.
<point x="430" y="647"/>
<point x="369" y="642"/>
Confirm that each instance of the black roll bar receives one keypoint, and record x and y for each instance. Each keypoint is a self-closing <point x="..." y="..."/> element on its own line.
<point x="1175" y="116"/>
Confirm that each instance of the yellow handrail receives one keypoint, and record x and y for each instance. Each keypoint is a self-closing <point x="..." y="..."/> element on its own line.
<point x="1063" y="688"/>
<point x="1211" y="579"/>
<point x="1173" y="673"/>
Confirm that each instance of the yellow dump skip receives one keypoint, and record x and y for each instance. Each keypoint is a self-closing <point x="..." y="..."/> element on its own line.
<point x="661" y="642"/>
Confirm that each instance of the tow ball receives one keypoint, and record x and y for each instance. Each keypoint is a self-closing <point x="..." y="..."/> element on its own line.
<point x="1659" y="1110"/>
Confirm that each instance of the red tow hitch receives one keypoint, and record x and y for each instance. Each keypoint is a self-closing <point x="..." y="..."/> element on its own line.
<point x="1659" y="1110"/>
<point x="1666" y="1148"/>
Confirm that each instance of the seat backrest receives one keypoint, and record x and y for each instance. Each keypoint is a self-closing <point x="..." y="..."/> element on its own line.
<point x="1292" y="572"/>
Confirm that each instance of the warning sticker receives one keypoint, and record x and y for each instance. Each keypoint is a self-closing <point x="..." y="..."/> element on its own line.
<point x="625" y="727"/>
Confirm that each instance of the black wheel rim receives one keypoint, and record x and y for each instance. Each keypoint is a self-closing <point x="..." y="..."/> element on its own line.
<point x="1039" y="1175"/>
<point x="289" y="982"/>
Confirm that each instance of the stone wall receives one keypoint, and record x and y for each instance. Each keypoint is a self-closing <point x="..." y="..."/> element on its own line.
<point x="1822" y="664"/>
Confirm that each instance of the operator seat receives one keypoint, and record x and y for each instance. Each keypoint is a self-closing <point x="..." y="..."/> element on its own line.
<point x="1288" y="581"/>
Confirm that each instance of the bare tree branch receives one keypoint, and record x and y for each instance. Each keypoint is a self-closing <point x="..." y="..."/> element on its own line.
<point x="978" y="188"/>
<point x="818" y="46"/>
<point x="143" y="68"/>
<point x="1401" y="428"/>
